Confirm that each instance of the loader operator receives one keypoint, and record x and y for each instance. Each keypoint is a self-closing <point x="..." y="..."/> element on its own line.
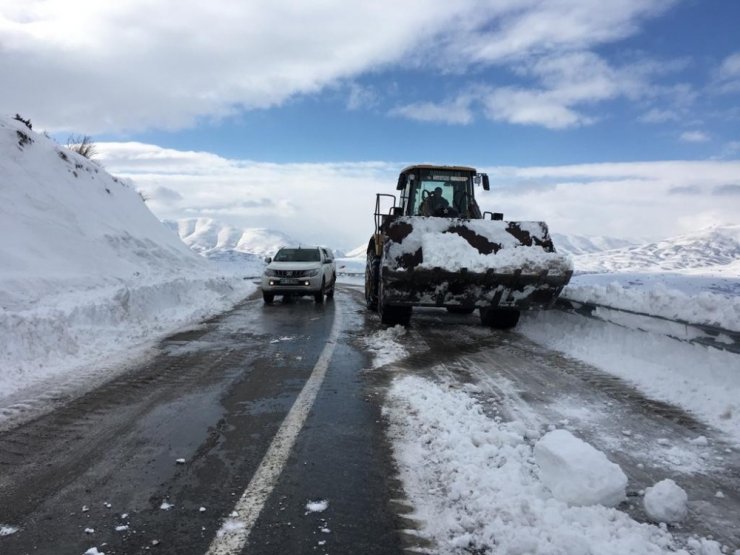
<point x="440" y="206"/>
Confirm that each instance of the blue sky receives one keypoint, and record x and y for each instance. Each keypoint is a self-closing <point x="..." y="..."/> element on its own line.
<point x="214" y="95"/>
<point x="690" y="39"/>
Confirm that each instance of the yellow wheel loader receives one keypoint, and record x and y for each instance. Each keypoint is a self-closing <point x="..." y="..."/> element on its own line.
<point x="434" y="248"/>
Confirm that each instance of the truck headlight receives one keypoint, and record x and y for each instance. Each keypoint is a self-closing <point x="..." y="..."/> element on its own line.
<point x="312" y="273"/>
<point x="270" y="272"/>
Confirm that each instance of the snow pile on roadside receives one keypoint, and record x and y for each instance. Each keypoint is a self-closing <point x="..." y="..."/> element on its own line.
<point x="699" y="379"/>
<point x="88" y="271"/>
<point x="577" y="473"/>
<point x="475" y="485"/>
<point x="700" y="299"/>
<point x="385" y="345"/>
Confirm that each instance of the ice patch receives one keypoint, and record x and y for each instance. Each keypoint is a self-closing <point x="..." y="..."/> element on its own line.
<point x="577" y="473"/>
<point x="666" y="502"/>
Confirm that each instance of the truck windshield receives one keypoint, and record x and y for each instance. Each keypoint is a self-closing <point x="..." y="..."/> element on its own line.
<point x="455" y="190"/>
<point x="298" y="255"/>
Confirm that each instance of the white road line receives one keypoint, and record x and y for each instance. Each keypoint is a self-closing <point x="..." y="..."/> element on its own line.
<point x="233" y="535"/>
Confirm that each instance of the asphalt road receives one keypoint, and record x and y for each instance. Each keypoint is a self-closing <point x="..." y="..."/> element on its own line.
<point x="156" y="459"/>
<point x="103" y="471"/>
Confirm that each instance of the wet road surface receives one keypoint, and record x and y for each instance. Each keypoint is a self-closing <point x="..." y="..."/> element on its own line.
<point x="103" y="470"/>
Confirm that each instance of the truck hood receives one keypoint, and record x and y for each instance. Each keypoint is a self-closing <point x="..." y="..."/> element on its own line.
<point x="294" y="265"/>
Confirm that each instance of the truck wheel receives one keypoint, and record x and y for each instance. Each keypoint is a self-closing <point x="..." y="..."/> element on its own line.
<point x="319" y="297"/>
<point x="268" y="297"/>
<point x="499" y="318"/>
<point x="330" y="292"/>
<point x="372" y="272"/>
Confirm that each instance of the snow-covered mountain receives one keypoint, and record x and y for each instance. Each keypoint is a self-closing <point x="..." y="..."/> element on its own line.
<point x="716" y="247"/>
<point x="580" y="244"/>
<point x="211" y="238"/>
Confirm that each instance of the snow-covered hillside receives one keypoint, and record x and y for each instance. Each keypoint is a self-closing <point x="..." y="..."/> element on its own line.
<point x="87" y="270"/>
<point x="579" y="244"/>
<point x="712" y="247"/>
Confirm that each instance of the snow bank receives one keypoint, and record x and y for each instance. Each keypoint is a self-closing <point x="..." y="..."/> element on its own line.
<point x="666" y="502"/>
<point x="697" y="298"/>
<point x="476" y="487"/>
<point x="702" y="380"/>
<point x="88" y="271"/>
<point x="577" y="473"/>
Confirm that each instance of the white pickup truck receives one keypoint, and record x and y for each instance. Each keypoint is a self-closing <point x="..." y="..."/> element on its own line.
<point x="300" y="271"/>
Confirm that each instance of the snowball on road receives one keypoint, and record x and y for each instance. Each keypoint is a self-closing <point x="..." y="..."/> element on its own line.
<point x="666" y="502"/>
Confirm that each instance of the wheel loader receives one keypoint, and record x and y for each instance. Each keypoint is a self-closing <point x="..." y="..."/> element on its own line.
<point x="433" y="247"/>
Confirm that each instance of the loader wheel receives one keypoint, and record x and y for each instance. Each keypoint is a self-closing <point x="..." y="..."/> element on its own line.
<point x="499" y="318"/>
<point x="392" y="315"/>
<point x="395" y="315"/>
<point x="372" y="271"/>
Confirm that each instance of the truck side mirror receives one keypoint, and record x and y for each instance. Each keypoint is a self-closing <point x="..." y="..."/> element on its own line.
<point x="268" y="259"/>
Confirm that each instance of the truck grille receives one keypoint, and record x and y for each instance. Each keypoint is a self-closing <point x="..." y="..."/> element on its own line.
<point x="291" y="273"/>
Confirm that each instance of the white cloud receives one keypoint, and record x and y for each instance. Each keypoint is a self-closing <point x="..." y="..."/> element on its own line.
<point x="694" y="137"/>
<point x="568" y="86"/>
<point x="361" y="97"/>
<point x="455" y="112"/>
<point x="657" y="115"/>
<point x="333" y="203"/>
<point x="116" y="66"/>
<point x="728" y="75"/>
<point x="531" y="108"/>
<point x="527" y="27"/>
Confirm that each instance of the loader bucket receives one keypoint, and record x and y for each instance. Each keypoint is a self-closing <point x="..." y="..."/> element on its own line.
<point x="470" y="263"/>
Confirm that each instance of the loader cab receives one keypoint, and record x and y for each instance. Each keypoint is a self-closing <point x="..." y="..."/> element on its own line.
<point x="438" y="191"/>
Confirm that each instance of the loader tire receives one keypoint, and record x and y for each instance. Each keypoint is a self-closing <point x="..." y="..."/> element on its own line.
<point x="499" y="318"/>
<point x="372" y="275"/>
<point x="392" y="315"/>
<point x="395" y="315"/>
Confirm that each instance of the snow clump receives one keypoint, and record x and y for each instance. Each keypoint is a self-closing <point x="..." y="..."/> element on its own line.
<point x="317" y="506"/>
<point x="666" y="502"/>
<point x="577" y="473"/>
